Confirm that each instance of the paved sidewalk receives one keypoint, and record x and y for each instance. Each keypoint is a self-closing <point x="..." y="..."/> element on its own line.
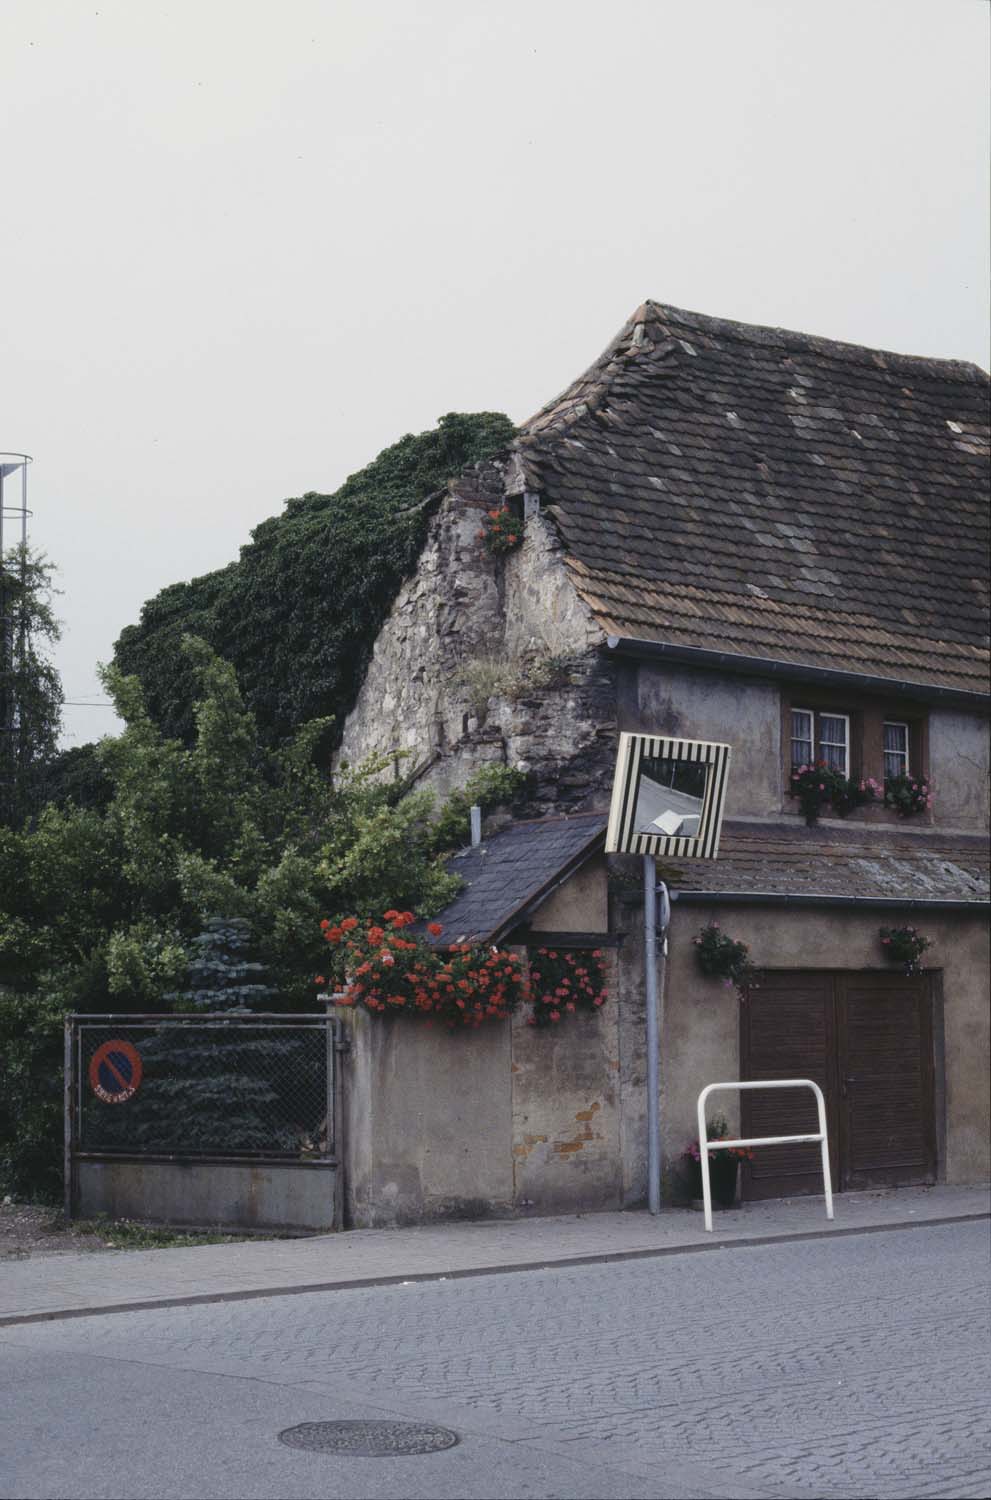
<point x="74" y="1285"/>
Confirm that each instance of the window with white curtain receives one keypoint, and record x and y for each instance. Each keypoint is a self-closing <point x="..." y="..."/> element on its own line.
<point x="895" y="750"/>
<point x="834" y="741"/>
<point x="802" y="736"/>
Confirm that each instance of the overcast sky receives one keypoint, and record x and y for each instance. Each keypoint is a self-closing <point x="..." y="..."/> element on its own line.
<point x="246" y="244"/>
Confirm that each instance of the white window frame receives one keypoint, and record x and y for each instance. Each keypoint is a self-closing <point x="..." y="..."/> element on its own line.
<point x="845" y="720"/>
<point x="810" y="714"/>
<point x="896" y="724"/>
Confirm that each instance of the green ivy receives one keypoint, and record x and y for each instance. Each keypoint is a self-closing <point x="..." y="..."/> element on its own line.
<point x="298" y="613"/>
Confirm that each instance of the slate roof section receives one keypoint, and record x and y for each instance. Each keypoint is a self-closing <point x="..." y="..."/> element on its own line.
<point x="771" y="494"/>
<point x="507" y="875"/>
<point x="868" y="861"/>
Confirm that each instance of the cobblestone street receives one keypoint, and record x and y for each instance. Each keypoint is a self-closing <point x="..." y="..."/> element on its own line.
<point x="838" y="1367"/>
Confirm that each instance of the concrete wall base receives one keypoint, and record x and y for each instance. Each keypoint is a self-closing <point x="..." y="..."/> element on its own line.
<point x="235" y="1195"/>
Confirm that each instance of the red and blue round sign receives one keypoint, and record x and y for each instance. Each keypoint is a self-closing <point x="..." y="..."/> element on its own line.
<point x="115" y="1072"/>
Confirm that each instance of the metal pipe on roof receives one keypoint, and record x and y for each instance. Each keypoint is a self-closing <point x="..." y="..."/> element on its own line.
<point x="765" y="666"/>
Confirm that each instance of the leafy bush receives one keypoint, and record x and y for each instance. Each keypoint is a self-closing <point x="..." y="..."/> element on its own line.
<point x="488" y="788"/>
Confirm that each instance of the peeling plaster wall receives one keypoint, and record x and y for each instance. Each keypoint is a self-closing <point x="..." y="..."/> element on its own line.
<point x="566" y="1113"/>
<point x="506" y="1119"/>
<point x="466" y="619"/>
<point x="567" y="1123"/>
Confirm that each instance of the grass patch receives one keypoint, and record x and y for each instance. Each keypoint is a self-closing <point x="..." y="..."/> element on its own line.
<point x="125" y="1234"/>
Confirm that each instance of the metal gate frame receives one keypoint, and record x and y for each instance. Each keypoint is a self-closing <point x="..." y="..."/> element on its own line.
<point x="337" y="1045"/>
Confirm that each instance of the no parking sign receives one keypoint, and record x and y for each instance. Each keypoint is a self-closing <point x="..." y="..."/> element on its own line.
<point x="115" y="1072"/>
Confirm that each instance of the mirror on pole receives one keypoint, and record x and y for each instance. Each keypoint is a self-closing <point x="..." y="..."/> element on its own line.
<point x="668" y="797"/>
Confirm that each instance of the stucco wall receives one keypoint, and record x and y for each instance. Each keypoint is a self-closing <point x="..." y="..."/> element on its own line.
<point x="581" y="904"/>
<point x="700" y="1040"/>
<point x="499" y="1120"/>
<point x="747" y="713"/>
<point x="567" y="1120"/>
<point x="427" y="1122"/>
<point x="732" y="710"/>
<point x="959" y="768"/>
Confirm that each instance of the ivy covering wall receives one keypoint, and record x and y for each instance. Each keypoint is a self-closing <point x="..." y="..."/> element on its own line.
<point x="298" y="613"/>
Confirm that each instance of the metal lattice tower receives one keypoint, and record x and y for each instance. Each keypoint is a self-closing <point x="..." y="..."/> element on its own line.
<point x="14" y="515"/>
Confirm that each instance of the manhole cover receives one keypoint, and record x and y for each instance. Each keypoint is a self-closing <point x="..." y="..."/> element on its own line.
<point x="369" y="1439"/>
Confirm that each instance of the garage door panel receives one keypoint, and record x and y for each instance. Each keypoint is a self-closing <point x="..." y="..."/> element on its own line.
<point x="884" y="1030"/>
<point x="787" y="1029"/>
<point x="866" y="1039"/>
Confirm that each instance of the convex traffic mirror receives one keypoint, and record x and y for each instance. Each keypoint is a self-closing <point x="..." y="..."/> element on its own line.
<point x="667" y="797"/>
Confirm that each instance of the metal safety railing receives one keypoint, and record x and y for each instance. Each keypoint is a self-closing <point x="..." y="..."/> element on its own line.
<point x="819" y="1138"/>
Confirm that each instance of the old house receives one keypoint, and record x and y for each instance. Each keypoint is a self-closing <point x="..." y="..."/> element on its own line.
<point x="737" y="534"/>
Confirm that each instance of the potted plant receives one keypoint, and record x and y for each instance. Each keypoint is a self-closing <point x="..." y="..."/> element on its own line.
<point x="721" y="957"/>
<point x="818" y="785"/>
<point x="907" y="794"/>
<point x="724" y="1164"/>
<point x="904" y="945"/>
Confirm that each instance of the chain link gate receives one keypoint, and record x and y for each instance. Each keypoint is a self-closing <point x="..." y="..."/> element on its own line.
<point x="220" y="1090"/>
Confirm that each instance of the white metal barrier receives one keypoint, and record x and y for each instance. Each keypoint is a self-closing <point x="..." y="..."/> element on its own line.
<point x="705" y="1145"/>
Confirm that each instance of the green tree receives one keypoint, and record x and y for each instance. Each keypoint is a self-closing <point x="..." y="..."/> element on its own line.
<point x="220" y="1088"/>
<point x="30" y="690"/>
<point x="100" y="907"/>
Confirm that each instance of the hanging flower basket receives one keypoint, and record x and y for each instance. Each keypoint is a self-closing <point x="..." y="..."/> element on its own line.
<point x="721" y="957"/>
<point x="904" y="945"/>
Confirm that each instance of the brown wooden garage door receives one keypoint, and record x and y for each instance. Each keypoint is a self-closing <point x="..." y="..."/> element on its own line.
<point x="866" y="1039"/>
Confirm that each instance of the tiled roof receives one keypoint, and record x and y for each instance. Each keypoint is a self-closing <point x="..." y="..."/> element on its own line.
<point x="507" y="874"/>
<point x="869" y="861"/>
<point x="771" y="494"/>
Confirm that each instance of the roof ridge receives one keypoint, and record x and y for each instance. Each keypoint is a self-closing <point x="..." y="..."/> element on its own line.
<point x="649" y="331"/>
<point x="589" y="390"/>
<point x="788" y="338"/>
